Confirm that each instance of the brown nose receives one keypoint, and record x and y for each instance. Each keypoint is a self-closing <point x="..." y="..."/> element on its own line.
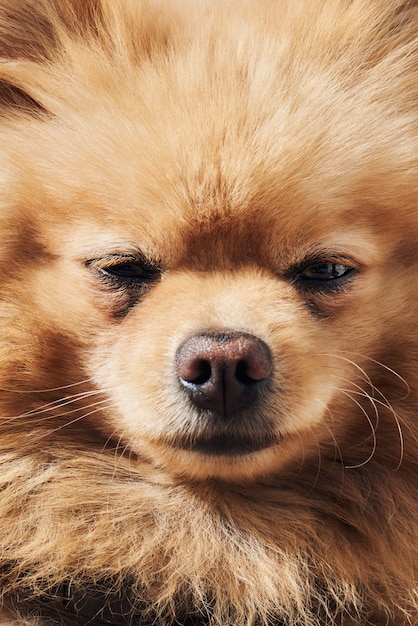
<point x="223" y="372"/>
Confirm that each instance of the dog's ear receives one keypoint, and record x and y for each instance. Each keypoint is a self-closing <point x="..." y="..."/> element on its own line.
<point x="31" y="34"/>
<point x="16" y="99"/>
<point x="32" y="29"/>
<point x="26" y="36"/>
<point x="34" y="34"/>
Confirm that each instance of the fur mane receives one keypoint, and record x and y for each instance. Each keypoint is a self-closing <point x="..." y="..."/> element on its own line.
<point x="77" y="507"/>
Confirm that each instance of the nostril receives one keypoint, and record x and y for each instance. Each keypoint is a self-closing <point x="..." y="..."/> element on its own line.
<point x="242" y="374"/>
<point x="195" y="371"/>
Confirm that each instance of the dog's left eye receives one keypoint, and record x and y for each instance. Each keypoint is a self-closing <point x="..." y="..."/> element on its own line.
<point x="323" y="274"/>
<point x="325" y="271"/>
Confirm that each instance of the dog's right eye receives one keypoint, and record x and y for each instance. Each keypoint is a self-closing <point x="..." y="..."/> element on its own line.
<point x="120" y="271"/>
<point x="128" y="271"/>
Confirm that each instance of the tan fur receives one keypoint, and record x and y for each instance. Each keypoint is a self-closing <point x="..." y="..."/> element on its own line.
<point x="228" y="142"/>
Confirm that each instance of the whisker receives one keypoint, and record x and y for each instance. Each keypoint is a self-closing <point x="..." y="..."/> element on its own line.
<point x="54" y="415"/>
<point x="383" y="400"/>
<point x="367" y="378"/>
<point x="74" y="421"/>
<point x="76" y="410"/>
<point x="331" y="432"/>
<point x="119" y="452"/>
<point x="363" y="394"/>
<point x="318" y="471"/>
<point x="391" y="371"/>
<point x="351" y="362"/>
<point x="48" y="390"/>
<point x="372" y="429"/>
<point x="387" y="405"/>
<point x="50" y="406"/>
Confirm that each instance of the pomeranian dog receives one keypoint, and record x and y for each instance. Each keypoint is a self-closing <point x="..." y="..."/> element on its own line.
<point x="209" y="343"/>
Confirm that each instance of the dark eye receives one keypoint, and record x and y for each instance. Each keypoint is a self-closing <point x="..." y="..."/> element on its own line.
<point x="323" y="275"/>
<point x="325" y="271"/>
<point x="129" y="272"/>
<point x="123" y="271"/>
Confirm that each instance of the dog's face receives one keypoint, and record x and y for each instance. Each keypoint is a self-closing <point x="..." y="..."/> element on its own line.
<point x="208" y="263"/>
<point x="225" y="276"/>
<point x="233" y="301"/>
<point x="225" y="353"/>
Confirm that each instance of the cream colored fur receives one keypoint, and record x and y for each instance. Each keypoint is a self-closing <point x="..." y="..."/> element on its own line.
<point x="228" y="142"/>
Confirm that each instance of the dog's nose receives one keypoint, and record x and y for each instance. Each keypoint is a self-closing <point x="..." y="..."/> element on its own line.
<point x="223" y="372"/>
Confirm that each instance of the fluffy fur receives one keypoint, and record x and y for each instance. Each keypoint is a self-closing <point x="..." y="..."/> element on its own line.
<point x="224" y="151"/>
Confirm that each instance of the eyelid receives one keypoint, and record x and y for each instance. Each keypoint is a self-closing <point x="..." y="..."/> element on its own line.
<point x="113" y="257"/>
<point x="108" y="261"/>
<point x="334" y="259"/>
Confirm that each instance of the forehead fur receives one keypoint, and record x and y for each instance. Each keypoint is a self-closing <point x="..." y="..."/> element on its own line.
<point x="131" y="104"/>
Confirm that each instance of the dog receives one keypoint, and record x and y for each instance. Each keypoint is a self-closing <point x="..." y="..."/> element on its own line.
<point x="209" y="390"/>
